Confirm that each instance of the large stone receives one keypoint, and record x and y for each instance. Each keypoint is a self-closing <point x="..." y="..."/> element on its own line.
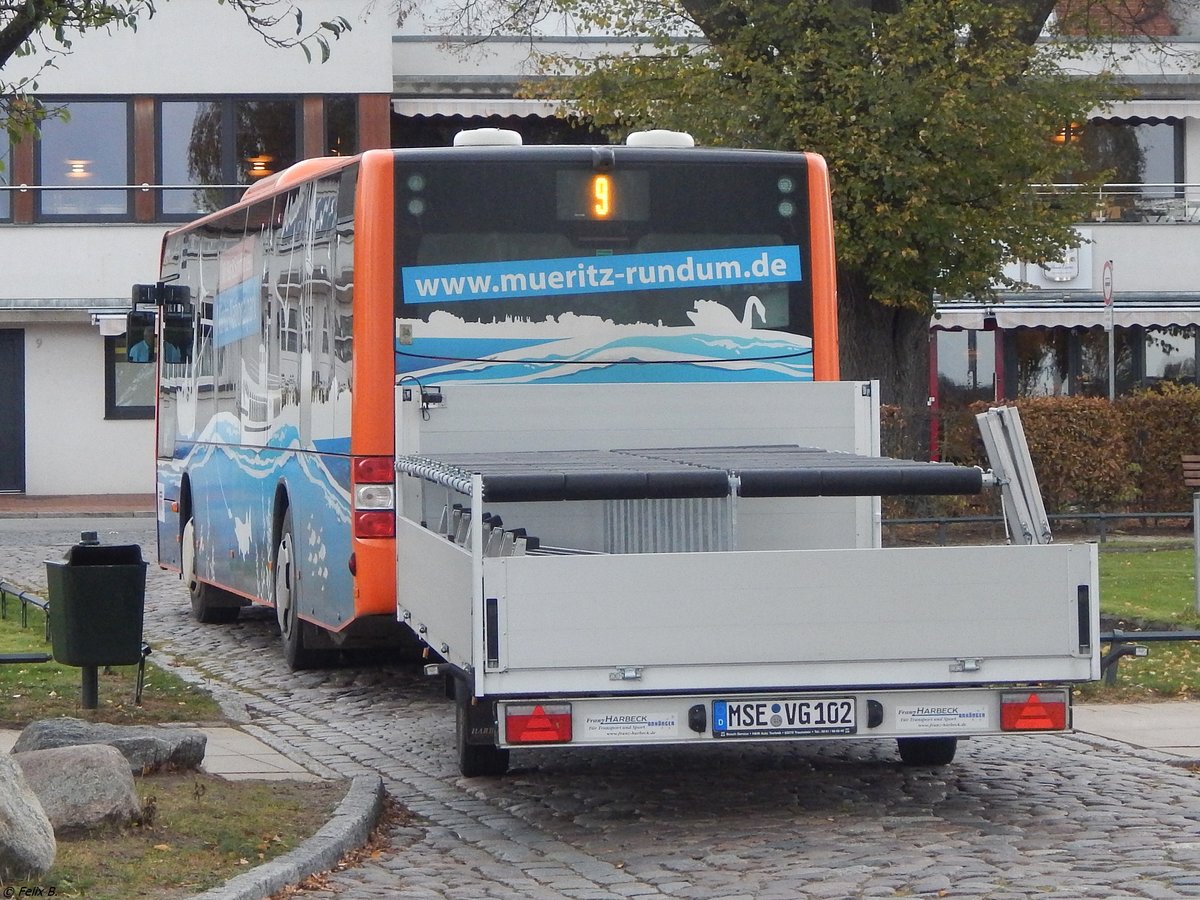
<point x="27" y="845"/>
<point x="81" y="787"/>
<point x="148" y="748"/>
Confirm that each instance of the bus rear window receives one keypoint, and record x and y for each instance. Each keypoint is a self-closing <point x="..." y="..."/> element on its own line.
<point x="643" y="243"/>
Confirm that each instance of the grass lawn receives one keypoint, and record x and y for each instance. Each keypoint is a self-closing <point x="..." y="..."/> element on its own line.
<point x="1152" y="589"/>
<point x="197" y="831"/>
<point x="45" y="690"/>
<point x="1149" y="585"/>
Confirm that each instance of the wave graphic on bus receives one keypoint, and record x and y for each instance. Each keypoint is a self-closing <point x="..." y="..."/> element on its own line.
<point x="585" y="349"/>
<point x="236" y="515"/>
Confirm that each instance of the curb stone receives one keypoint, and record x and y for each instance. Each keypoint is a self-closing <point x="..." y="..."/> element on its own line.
<point x="349" y="828"/>
<point x="1147" y="753"/>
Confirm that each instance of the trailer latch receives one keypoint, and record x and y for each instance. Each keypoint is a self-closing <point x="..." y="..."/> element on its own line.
<point x="966" y="664"/>
<point x="626" y="673"/>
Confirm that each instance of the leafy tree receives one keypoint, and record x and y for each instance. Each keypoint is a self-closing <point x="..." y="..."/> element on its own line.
<point x="47" y="28"/>
<point x="935" y="117"/>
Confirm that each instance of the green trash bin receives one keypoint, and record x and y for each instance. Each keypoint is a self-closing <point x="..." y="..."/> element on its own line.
<point x="97" y="597"/>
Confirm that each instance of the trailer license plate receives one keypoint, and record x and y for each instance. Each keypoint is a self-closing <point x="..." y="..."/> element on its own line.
<point x="783" y="717"/>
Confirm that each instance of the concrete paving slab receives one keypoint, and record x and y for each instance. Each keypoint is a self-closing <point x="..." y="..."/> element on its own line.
<point x="231" y="754"/>
<point x="1171" y="726"/>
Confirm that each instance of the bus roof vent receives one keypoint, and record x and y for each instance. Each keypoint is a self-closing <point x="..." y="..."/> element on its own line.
<point x="488" y="137"/>
<point x="660" y="137"/>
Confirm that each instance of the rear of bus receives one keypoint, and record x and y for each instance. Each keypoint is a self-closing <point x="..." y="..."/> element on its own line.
<point x="656" y="262"/>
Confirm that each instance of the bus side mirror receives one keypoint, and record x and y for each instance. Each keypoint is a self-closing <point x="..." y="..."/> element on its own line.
<point x="140" y="328"/>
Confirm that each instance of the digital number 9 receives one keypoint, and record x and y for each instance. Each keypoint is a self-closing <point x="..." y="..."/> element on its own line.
<point x="602" y="196"/>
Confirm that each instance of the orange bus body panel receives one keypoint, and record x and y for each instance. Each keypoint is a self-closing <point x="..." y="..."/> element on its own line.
<point x="824" y="273"/>
<point x="372" y="420"/>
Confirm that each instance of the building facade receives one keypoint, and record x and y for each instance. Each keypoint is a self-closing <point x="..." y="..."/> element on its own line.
<point x="162" y="124"/>
<point x="1133" y="281"/>
<point x="173" y="120"/>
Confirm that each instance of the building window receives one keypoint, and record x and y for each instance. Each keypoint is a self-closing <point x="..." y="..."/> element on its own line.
<point x="966" y="362"/>
<point x="85" y="152"/>
<point x="128" y="386"/>
<point x="1170" y="354"/>
<point x="1038" y="362"/>
<point x="210" y="144"/>
<point x="1149" y="154"/>
<point x="1089" y="364"/>
<point x="5" y="177"/>
<point x="341" y="125"/>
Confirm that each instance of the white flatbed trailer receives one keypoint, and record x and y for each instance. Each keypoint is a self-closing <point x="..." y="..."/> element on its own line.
<point x="679" y="563"/>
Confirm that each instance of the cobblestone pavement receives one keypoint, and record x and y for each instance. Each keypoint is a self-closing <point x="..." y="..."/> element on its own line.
<point x="1058" y="816"/>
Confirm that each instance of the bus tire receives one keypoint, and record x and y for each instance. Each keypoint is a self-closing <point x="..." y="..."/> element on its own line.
<point x="474" y="760"/>
<point x="927" y="751"/>
<point x="296" y="650"/>
<point x="210" y="605"/>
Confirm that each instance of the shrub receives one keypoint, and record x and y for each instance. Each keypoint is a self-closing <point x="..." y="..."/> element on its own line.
<point x="1089" y="454"/>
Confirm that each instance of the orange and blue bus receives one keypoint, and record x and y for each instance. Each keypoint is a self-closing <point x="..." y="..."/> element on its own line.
<point x="293" y="320"/>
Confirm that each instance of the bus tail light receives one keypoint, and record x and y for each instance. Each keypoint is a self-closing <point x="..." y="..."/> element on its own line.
<point x="1033" y="711"/>
<point x="374" y="497"/>
<point x="548" y="723"/>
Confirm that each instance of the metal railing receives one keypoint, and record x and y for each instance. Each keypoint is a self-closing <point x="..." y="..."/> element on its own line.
<point x="143" y="187"/>
<point x="1101" y="523"/>
<point x="26" y="599"/>
<point x="1165" y="202"/>
<point x="201" y="198"/>
<point x="1162" y="203"/>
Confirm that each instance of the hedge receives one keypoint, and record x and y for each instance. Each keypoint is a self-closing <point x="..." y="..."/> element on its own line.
<point x="1089" y="454"/>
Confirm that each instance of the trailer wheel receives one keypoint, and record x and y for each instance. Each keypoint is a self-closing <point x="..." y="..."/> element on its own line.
<point x="207" y="605"/>
<point x="930" y="751"/>
<point x="296" y="652"/>
<point x="474" y="760"/>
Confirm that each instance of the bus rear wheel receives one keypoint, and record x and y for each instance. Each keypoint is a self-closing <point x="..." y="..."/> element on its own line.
<point x="210" y="606"/>
<point x="297" y="652"/>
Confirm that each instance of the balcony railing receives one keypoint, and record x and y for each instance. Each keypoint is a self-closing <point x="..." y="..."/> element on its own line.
<point x="115" y="200"/>
<point x="1153" y="203"/>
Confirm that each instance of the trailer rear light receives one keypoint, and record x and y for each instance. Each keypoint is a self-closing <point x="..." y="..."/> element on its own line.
<point x="1034" y="711"/>
<point x="548" y="723"/>
<point x="374" y="497"/>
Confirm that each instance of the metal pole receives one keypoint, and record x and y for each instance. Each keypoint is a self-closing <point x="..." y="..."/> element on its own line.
<point x="91" y="687"/>
<point x="1112" y="356"/>
<point x="1196" y="545"/>
<point x="1106" y="285"/>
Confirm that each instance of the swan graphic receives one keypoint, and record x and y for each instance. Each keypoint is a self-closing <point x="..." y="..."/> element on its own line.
<point x="720" y="319"/>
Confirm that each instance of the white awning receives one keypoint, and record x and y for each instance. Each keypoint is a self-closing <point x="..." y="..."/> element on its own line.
<point x="110" y="324"/>
<point x="1150" y="109"/>
<point x="472" y="106"/>
<point x="1090" y="316"/>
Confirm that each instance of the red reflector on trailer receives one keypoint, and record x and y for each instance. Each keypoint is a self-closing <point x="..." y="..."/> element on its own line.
<point x="374" y="470"/>
<point x="541" y="724"/>
<point x="374" y="523"/>
<point x="1046" y="711"/>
